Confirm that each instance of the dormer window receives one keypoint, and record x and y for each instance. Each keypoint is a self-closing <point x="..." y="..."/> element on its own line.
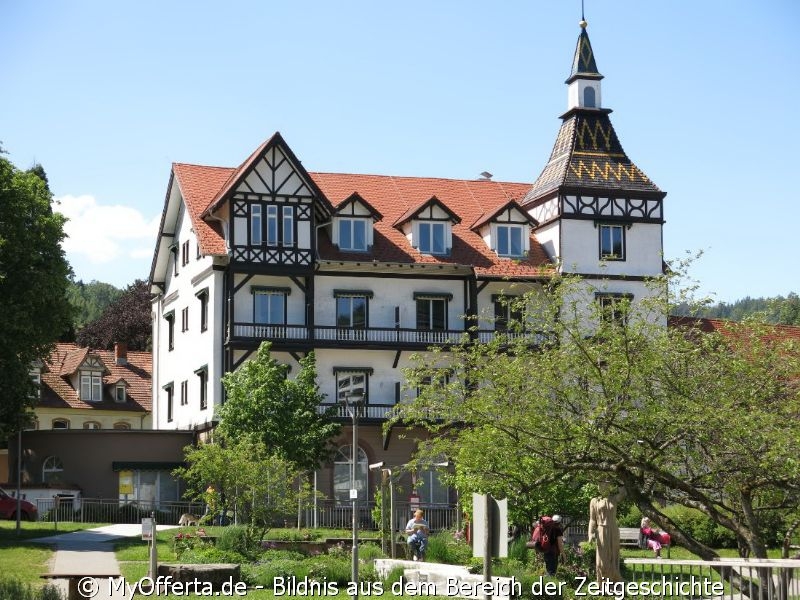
<point x="353" y="234"/>
<point x="120" y="394"/>
<point x="432" y="237"/>
<point x="510" y="241"/>
<point x="91" y="386"/>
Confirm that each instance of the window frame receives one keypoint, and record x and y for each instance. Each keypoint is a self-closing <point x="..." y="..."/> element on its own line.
<point x="360" y="388"/>
<point x="202" y="375"/>
<point x="95" y="383"/>
<point x="170" y="391"/>
<point x="185" y="253"/>
<point x="607" y="302"/>
<point x="184" y="392"/>
<point x="92" y="425"/>
<point x="256" y="224"/>
<point x="343" y="458"/>
<point x="351" y="222"/>
<point x="117" y="388"/>
<point x="184" y="319"/>
<point x="602" y="251"/>
<point x="50" y="466"/>
<point x="431" y="298"/>
<point x="61" y="421"/>
<point x="506" y="310"/>
<point x="202" y="296"/>
<point x="427" y="241"/>
<point x="270" y="291"/>
<point x="508" y="228"/>
<point x="170" y="319"/>
<point x="272" y="226"/>
<point x="287" y="226"/>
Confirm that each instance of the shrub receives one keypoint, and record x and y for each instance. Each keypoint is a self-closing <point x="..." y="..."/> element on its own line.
<point x="205" y="553"/>
<point x="445" y="548"/>
<point x="333" y="568"/>
<point x="264" y="573"/>
<point x="370" y="552"/>
<point x="234" y="539"/>
<point x="517" y="550"/>
<point x="14" y="589"/>
<point x="700" y="527"/>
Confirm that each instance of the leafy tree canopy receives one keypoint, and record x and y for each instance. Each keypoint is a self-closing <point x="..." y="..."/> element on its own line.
<point x="247" y="479"/>
<point x="127" y="319"/>
<point x="779" y="309"/>
<point x="698" y="419"/>
<point x="34" y="275"/>
<point x="90" y="300"/>
<point x="280" y="412"/>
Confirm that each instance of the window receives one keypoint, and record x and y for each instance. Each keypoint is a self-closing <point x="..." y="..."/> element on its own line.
<point x="343" y="474"/>
<point x="122" y="425"/>
<point x="351" y="314"/>
<point x="507" y="312"/>
<point x="185" y="319"/>
<point x="174" y="251"/>
<point x="202" y="375"/>
<point x="203" y="297"/>
<point x="154" y="487"/>
<point x="36" y="378"/>
<point x="431" y="313"/>
<point x="288" y="226"/>
<point x="255" y="225"/>
<point x="589" y="100"/>
<point x="60" y="424"/>
<point x="52" y="469"/>
<point x="185" y="253"/>
<point x="430" y="488"/>
<point x="612" y="242"/>
<point x="353" y="234"/>
<point x="198" y="255"/>
<point x="91" y="386"/>
<point x="440" y="379"/>
<point x="269" y="306"/>
<point x="272" y="225"/>
<point x="351" y="384"/>
<point x="170" y="319"/>
<point x="614" y="307"/>
<point x="120" y="393"/>
<point x="184" y="393"/>
<point x="91" y="425"/>
<point x="431" y="238"/>
<point x="509" y="240"/>
<point x="168" y="391"/>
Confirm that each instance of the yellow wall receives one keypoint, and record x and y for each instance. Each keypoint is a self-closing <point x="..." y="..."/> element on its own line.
<point x="106" y="418"/>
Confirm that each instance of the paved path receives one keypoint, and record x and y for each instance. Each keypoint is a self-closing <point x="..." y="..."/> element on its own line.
<point x="90" y="551"/>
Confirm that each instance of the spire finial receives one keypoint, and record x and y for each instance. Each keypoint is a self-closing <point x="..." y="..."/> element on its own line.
<point x="583" y="22"/>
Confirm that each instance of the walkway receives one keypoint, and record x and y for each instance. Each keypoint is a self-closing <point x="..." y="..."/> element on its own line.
<point x="90" y="551"/>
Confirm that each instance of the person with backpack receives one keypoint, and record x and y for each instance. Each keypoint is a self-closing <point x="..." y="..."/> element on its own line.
<point x="548" y="538"/>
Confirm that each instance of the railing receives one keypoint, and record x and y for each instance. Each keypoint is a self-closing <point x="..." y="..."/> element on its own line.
<point x="732" y="578"/>
<point x="337" y="515"/>
<point x="367" y="412"/>
<point x="105" y="510"/>
<point x="373" y="335"/>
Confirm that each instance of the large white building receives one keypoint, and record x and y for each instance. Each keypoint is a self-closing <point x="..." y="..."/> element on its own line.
<point x="366" y="269"/>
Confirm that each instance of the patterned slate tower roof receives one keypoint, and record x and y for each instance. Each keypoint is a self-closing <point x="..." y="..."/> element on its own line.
<point x="587" y="155"/>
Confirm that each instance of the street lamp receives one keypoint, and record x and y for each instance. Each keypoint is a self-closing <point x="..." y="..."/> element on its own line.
<point x="352" y="402"/>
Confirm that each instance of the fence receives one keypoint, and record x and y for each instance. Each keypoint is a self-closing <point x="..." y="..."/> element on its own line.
<point x="105" y="510"/>
<point x="732" y="578"/>
<point x="334" y="515"/>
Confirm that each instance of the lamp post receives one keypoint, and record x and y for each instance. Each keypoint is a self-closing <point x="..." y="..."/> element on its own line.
<point x="352" y="403"/>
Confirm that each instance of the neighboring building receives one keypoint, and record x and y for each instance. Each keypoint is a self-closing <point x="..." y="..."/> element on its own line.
<point x="367" y="269"/>
<point x="81" y="388"/>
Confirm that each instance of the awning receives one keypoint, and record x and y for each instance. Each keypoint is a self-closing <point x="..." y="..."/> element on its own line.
<point x="139" y="465"/>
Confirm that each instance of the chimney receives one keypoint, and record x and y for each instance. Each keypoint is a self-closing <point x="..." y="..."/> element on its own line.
<point x="121" y="353"/>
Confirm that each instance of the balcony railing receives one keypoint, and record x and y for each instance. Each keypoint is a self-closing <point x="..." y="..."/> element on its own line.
<point x="390" y="336"/>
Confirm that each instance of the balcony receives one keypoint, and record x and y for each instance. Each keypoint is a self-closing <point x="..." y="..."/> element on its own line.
<point x="371" y="337"/>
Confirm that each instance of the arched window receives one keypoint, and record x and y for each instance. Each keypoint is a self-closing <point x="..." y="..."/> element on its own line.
<point x="589" y="100"/>
<point x="91" y="425"/>
<point x="52" y="468"/>
<point x="60" y="423"/>
<point x="122" y="425"/>
<point x="342" y="465"/>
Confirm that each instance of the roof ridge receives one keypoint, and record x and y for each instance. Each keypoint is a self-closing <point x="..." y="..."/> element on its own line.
<point x="453" y="179"/>
<point x="185" y="164"/>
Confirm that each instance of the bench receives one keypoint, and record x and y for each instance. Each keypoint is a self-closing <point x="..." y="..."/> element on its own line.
<point x="632" y="536"/>
<point x="73" y="579"/>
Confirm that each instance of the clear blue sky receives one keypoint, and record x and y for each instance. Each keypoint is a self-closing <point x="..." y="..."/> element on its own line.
<point x="107" y="94"/>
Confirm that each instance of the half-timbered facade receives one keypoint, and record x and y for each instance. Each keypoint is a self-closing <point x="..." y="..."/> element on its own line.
<point x="367" y="269"/>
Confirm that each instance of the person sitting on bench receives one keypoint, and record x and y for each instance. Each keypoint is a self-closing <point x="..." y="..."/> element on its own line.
<point x="655" y="539"/>
<point x="417" y="530"/>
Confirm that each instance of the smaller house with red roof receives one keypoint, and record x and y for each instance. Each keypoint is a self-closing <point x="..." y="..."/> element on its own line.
<point x="82" y="388"/>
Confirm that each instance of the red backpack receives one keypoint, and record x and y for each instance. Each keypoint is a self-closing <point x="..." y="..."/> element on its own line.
<point x="540" y="539"/>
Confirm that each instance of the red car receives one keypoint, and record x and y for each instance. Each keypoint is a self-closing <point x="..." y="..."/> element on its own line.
<point x="8" y="508"/>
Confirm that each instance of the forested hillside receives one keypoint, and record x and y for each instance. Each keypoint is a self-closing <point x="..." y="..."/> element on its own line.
<point x="780" y="309"/>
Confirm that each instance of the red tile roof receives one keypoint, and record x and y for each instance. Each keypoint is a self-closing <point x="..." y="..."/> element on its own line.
<point x="57" y="390"/>
<point x="728" y="328"/>
<point x="392" y="197"/>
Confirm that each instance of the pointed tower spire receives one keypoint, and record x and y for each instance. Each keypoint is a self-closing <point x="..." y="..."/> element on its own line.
<point x="583" y="63"/>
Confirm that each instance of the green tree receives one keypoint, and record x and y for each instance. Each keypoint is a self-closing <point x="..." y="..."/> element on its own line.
<point x="282" y="413"/>
<point x="705" y="420"/>
<point x="90" y="300"/>
<point x="127" y="319"/>
<point x="34" y="275"/>
<point x="258" y="486"/>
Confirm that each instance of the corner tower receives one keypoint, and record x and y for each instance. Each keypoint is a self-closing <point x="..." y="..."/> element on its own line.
<point x="598" y="213"/>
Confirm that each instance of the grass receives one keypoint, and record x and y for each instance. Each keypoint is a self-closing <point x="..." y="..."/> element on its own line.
<point x="26" y="559"/>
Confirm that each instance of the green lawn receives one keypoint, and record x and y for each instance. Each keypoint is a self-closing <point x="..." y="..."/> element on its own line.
<point x="27" y="560"/>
